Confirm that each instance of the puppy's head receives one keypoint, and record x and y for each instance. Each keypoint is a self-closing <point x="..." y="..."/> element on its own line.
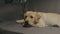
<point x="31" y="18"/>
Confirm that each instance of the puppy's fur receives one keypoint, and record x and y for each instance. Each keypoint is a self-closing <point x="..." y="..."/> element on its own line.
<point x="41" y="19"/>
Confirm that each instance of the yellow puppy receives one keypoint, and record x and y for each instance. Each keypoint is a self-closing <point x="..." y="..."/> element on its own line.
<point x="41" y="19"/>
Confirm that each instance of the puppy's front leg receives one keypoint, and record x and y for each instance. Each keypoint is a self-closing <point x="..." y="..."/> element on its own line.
<point x="20" y="21"/>
<point x="41" y="24"/>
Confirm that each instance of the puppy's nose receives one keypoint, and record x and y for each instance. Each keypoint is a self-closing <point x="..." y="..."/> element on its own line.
<point x="26" y="22"/>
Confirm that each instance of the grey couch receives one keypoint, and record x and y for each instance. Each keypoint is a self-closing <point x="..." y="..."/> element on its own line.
<point x="9" y="13"/>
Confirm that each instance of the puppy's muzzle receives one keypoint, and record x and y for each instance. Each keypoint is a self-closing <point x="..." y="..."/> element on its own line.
<point x="26" y="24"/>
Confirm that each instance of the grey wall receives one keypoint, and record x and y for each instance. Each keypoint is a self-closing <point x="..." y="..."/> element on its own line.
<point x="7" y="11"/>
<point x="10" y="11"/>
<point x="14" y="11"/>
<point x="45" y="5"/>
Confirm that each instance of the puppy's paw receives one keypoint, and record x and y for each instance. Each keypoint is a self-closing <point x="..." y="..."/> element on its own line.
<point x="20" y="21"/>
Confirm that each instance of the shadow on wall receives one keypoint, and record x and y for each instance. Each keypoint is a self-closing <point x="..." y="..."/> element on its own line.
<point x="8" y="1"/>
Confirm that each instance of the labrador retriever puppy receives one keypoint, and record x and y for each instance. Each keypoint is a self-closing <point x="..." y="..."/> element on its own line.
<point x="40" y="19"/>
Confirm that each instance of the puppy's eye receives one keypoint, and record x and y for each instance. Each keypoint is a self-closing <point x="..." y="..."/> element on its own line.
<point x="31" y="16"/>
<point x="25" y="16"/>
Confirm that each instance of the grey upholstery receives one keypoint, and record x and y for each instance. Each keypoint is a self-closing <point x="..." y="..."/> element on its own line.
<point x="14" y="11"/>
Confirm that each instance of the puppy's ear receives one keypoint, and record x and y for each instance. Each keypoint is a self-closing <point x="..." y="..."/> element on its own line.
<point x="37" y="17"/>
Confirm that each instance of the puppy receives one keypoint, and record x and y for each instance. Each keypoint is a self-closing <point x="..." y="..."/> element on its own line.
<point x="41" y="19"/>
